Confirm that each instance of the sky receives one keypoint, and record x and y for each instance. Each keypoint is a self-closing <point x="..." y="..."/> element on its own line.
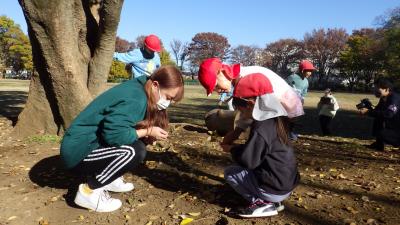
<point x="247" y="22"/>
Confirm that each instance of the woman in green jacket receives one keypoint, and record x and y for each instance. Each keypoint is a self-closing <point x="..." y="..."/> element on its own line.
<point x="105" y="139"/>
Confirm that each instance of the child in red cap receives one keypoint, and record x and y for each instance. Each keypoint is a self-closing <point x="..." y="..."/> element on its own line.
<point x="266" y="170"/>
<point x="219" y="77"/>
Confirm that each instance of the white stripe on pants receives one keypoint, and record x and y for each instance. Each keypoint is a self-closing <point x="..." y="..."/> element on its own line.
<point x="123" y="155"/>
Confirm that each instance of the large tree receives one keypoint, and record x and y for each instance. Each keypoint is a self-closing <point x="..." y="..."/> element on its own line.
<point x="15" y="49"/>
<point x="323" y="47"/>
<point x="72" y="44"/>
<point x="283" y="55"/>
<point x="179" y="51"/>
<point x="245" y="55"/>
<point x="361" y="60"/>
<point x="391" y="44"/>
<point x="122" y="45"/>
<point x="206" y="45"/>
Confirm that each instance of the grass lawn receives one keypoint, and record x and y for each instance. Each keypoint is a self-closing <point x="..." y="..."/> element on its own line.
<point x="193" y="107"/>
<point x="347" y="123"/>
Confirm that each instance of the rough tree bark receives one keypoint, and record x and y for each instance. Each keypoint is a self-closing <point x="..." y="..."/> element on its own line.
<point x="72" y="44"/>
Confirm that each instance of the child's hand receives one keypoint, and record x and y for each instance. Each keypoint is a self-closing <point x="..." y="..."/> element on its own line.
<point x="226" y="148"/>
<point x="158" y="133"/>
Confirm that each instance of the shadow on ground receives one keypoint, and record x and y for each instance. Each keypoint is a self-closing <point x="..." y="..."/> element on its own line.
<point x="348" y="124"/>
<point x="50" y="172"/>
<point x="12" y="103"/>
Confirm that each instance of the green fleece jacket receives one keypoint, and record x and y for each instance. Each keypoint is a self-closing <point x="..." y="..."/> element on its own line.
<point x="109" y="120"/>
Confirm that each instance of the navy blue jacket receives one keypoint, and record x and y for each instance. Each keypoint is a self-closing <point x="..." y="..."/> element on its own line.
<point x="273" y="163"/>
<point x="388" y="111"/>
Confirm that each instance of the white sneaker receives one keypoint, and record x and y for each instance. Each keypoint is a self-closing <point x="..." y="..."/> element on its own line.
<point x="98" y="200"/>
<point x="119" y="185"/>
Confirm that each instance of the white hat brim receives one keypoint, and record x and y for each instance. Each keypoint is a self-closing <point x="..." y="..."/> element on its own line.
<point x="268" y="106"/>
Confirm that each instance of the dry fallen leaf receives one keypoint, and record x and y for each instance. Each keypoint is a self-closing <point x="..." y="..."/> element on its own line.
<point x="12" y="218"/>
<point x="194" y="214"/>
<point x="186" y="221"/>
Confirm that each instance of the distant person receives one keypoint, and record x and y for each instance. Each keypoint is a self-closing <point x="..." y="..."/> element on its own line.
<point x="327" y="107"/>
<point x="106" y="139"/>
<point x="265" y="170"/>
<point x="300" y="85"/>
<point x="216" y="76"/>
<point x="144" y="60"/>
<point x="386" y="115"/>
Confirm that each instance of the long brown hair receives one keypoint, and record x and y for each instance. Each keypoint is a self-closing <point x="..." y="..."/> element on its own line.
<point x="282" y="122"/>
<point x="167" y="77"/>
<point x="282" y="129"/>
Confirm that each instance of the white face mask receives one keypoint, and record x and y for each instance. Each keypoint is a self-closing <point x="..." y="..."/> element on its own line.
<point x="162" y="103"/>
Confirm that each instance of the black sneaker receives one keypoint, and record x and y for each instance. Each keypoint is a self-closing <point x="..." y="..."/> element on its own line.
<point x="279" y="206"/>
<point x="259" y="209"/>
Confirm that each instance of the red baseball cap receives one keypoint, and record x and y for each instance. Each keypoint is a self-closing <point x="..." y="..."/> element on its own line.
<point x="306" y="65"/>
<point x="253" y="85"/>
<point x="209" y="69"/>
<point x="153" y="43"/>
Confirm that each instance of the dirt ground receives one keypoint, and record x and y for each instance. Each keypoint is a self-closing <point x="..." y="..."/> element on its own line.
<point x="342" y="183"/>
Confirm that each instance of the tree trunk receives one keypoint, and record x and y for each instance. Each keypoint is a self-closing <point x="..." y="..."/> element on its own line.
<point x="72" y="52"/>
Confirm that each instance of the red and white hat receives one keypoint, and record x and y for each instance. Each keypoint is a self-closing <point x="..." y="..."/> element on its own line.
<point x="257" y="85"/>
<point x="209" y="70"/>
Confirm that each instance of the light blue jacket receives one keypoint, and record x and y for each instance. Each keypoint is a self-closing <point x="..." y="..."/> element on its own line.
<point x="142" y="63"/>
<point x="299" y="85"/>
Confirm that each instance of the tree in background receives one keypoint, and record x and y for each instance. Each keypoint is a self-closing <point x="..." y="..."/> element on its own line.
<point x="179" y="51"/>
<point x="122" y="45"/>
<point x="245" y="55"/>
<point x="392" y="54"/>
<point x="283" y="55"/>
<point x="165" y="58"/>
<point x="15" y="48"/>
<point x="140" y="41"/>
<point x="323" y="48"/>
<point x="118" y="72"/>
<point x="391" y="44"/>
<point x="72" y="44"/>
<point x="361" y="60"/>
<point x="206" y="45"/>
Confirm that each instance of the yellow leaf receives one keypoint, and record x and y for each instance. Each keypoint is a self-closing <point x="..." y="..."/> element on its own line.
<point x="194" y="214"/>
<point x="332" y="170"/>
<point x="149" y="223"/>
<point x="12" y="218"/>
<point x="186" y="221"/>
